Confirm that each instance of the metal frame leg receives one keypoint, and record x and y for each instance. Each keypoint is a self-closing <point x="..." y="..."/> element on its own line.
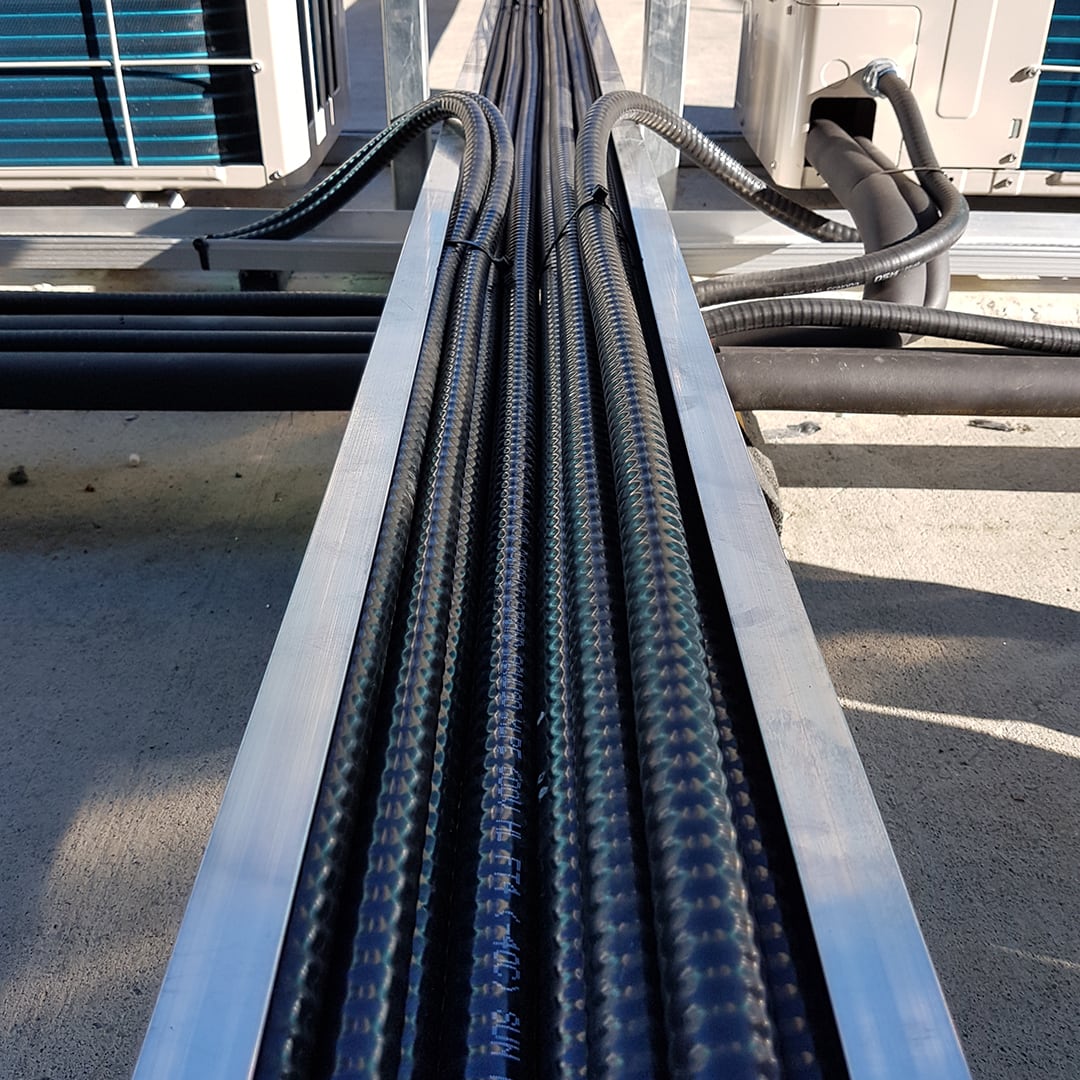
<point x="405" y="63"/>
<point x="663" y="65"/>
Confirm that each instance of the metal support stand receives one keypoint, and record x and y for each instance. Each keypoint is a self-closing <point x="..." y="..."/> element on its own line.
<point x="405" y="63"/>
<point x="662" y="78"/>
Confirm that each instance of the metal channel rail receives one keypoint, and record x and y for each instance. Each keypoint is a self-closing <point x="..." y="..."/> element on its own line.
<point x="1012" y="246"/>
<point x="888" y="1008"/>
<point x="210" y="1012"/>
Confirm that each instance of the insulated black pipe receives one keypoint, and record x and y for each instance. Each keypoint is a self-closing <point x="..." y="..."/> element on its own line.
<point x="938" y="273"/>
<point x="916" y="381"/>
<point x="177" y="381"/>
<point x="149" y="342"/>
<point x="880" y="212"/>
<point x="923" y="382"/>
<point x="877" y="265"/>
<point x="59" y="302"/>
<point x="203" y="324"/>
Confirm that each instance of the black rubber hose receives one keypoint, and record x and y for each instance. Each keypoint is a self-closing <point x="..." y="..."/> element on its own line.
<point x="881" y="214"/>
<point x="204" y="324"/>
<point x="938" y="274"/>
<point x="920" y="382"/>
<point x="714" y="999"/>
<point x="624" y="1018"/>
<point x="332" y="193"/>
<point x="628" y="105"/>
<point x="871" y="315"/>
<point x="177" y="382"/>
<point x="302" y="1022"/>
<point x="58" y="303"/>
<point x="563" y="1054"/>
<point x="878" y="265"/>
<point x="148" y="342"/>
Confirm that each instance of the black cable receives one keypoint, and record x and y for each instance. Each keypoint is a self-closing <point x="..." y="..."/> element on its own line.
<point x="350" y="177"/>
<point x="878" y="265"/>
<point x="57" y="303"/>
<point x="872" y="315"/>
<point x="714" y="998"/>
<point x="690" y="140"/>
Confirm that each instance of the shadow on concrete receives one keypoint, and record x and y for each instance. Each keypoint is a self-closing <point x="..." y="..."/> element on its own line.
<point x="969" y="468"/>
<point x="947" y="649"/>
<point x="983" y="822"/>
<point x="136" y="625"/>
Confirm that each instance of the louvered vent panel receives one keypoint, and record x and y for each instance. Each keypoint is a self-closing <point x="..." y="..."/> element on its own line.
<point x="187" y="114"/>
<point x="1053" y="140"/>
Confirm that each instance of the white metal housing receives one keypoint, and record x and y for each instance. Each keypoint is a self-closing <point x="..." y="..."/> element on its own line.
<point x="283" y="62"/>
<point x="975" y="67"/>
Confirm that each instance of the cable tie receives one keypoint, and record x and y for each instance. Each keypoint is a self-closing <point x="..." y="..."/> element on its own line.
<point x="922" y="168"/>
<point x="496" y="260"/>
<point x="202" y="246"/>
<point x="598" y="197"/>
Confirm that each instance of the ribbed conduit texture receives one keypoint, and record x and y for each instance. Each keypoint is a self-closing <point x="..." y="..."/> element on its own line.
<point x="535" y="853"/>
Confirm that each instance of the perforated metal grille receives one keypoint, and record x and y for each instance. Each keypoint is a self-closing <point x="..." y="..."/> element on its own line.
<point x="1053" y="140"/>
<point x="119" y="82"/>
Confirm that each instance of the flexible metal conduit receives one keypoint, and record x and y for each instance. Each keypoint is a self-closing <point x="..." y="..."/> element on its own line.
<point x="544" y="842"/>
<point x="868" y="314"/>
<point x="874" y="266"/>
<point x="412" y="945"/>
<point x="303" y="1025"/>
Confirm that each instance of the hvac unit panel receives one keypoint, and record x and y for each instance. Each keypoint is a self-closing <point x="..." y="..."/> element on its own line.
<point x="998" y="82"/>
<point x="145" y="94"/>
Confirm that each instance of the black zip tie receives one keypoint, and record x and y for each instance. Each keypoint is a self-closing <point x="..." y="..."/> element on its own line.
<point x="599" y="197"/>
<point x="202" y="246"/>
<point x="496" y="260"/>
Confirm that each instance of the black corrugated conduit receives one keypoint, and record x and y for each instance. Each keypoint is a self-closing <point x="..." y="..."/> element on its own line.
<point x="714" y="999"/>
<point x="874" y="266"/>
<point x="902" y="318"/>
<point x="628" y="105"/>
<point x="349" y="178"/>
<point x="611" y="1021"/>
<point x="313" y="978"/>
